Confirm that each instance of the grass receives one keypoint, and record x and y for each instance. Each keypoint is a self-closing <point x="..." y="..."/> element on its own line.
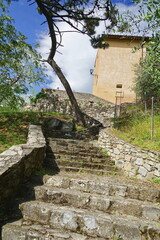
<point x="105" y="152"/>
<point x="155" y="180"/>
<point x="14" y="126"/>
<point x="138" y="132"/>
<point x="80" y="128"/>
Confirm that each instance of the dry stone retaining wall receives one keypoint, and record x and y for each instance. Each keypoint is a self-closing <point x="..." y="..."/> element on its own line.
<point x="134" y="160"/>
<point x="20" y="161"/>
<point x="58" y="101"/>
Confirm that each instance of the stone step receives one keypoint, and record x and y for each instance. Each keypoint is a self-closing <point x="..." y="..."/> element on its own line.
<point x="82" y="164"/>
<point x="110" y="205"/>
<point x="107" y="185"/>
<point x="93" y="224"/>
<point x="64" y="141"/>
<point x="77" y="152"/>
<point x="88" y="170"/>
<point x="18" y="231"/>
<point x="80" y="158"/>
<point x="73" y="144"/>
<point x="79" y="166"/>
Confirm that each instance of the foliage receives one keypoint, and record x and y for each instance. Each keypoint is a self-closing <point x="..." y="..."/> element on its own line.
<point x="146" y="20"/>
<point x="80" y="128"/>
<point x="105" y="152"/>
<point x="147" y="82"/>
<point x="19" y="65"/>
<point x="155" y="180"/>
<point x="14" y="125"/>
<point x="135" y="127"/>
<point x="82" y="16"/>
<point x="39" y="95"/>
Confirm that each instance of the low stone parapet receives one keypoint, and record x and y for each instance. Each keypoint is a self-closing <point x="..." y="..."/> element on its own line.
<point x="134" y="160"/>
<point x="19" y="162"/>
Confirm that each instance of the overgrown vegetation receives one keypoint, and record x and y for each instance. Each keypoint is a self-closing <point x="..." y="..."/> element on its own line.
<point x="14" y="125"/>
<point x="155" y="180"/>
<point x="33" y="99"/>
<point x="147" y="82"/>
<point x="80" y="128"/>
<point x="20" y="67"/>
<point x="134" y="126"/>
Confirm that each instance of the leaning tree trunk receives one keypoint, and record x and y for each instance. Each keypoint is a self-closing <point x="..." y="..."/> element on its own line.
<point x="78" y="113"/>
<point x="56" y="68"/>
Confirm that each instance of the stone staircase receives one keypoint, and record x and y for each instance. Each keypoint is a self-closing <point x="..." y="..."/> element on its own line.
<point x="78" y="156"/>
<point x="89" y="199"/>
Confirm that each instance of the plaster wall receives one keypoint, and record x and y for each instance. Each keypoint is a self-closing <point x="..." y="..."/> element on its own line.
<point x="115" y="65"/>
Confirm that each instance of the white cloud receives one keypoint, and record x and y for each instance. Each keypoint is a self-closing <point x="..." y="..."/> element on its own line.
<point x="77" y="57"/>
<point x="76" y="60"/>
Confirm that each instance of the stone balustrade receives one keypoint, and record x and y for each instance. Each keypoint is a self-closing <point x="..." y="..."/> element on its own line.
<point x="132" y="159"/>
<point x="19" y="162"/>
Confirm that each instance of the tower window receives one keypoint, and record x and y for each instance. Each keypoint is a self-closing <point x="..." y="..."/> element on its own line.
<point x="119" y="86"/>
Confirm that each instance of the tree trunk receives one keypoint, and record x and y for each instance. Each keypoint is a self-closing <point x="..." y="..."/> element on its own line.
<point x="78" y="113"/>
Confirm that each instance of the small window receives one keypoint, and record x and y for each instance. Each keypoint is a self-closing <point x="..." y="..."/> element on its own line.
<point x="119" y="86"/>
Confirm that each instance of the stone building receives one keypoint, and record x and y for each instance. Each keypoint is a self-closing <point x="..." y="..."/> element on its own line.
<point x="114" y="68"/>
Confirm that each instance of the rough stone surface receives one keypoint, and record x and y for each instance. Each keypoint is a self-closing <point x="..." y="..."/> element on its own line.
<point x="92" y="106"/>
<point x="135" y="161"/>
<point x="38" y="232"/>
<point x="89" y="206"/>
<point x="19" y="162"/>
<point x="86" y="207"/>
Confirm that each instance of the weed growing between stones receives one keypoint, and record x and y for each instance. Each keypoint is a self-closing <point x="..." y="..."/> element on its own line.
<point x="155" y="180"/>
<point x="105" y="152"/>
<point x="117" y="238"/>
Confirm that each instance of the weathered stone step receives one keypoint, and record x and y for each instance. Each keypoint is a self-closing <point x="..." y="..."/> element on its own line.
<point x="111" y="205"/>
<point x="88" y="170"/>
<point x="65" y="142"/>
<point x="73" y="144"/>
<point x="18" y="231"/>
<point x="80" y="158"/>
<point x="93" y="224"/>
<point x="107" y="185"/>
<point x="83" y="164"/>
<point x="77" y="152"/>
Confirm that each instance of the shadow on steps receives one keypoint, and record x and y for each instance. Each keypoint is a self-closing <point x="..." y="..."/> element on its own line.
<point x="11" y="211"/>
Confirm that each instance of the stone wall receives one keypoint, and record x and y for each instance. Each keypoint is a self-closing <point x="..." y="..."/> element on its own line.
<point x="19" y="162"/>
<point x="58" y="101"/>
<point x="132" y="159"/>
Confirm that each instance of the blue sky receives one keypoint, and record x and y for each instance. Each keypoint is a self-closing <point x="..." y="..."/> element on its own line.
<point x="28" y="20"/>
<point x="77" y="56"/>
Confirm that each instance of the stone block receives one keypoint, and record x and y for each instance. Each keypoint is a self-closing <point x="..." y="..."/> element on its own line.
<point x="116" y="151"/>
<point x="139" y="161"/>
<point x="157" y="173"/>
<point x="147" y="166"/>
<point x="127" y="166"/>
<point x="9" y="153"/>
<point x="150" y="175"/>
<point x="128" y="157"/>
<point x="142" y="171"/>
<point x="152" y="213"/>
<point x="120" y="163"/>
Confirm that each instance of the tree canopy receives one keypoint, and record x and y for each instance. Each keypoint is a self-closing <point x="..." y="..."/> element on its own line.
<point x="146" y="22"/>
<point x="19" y="63"/>
<point x="147" y="81"/>
<point x="83" y="16"/>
